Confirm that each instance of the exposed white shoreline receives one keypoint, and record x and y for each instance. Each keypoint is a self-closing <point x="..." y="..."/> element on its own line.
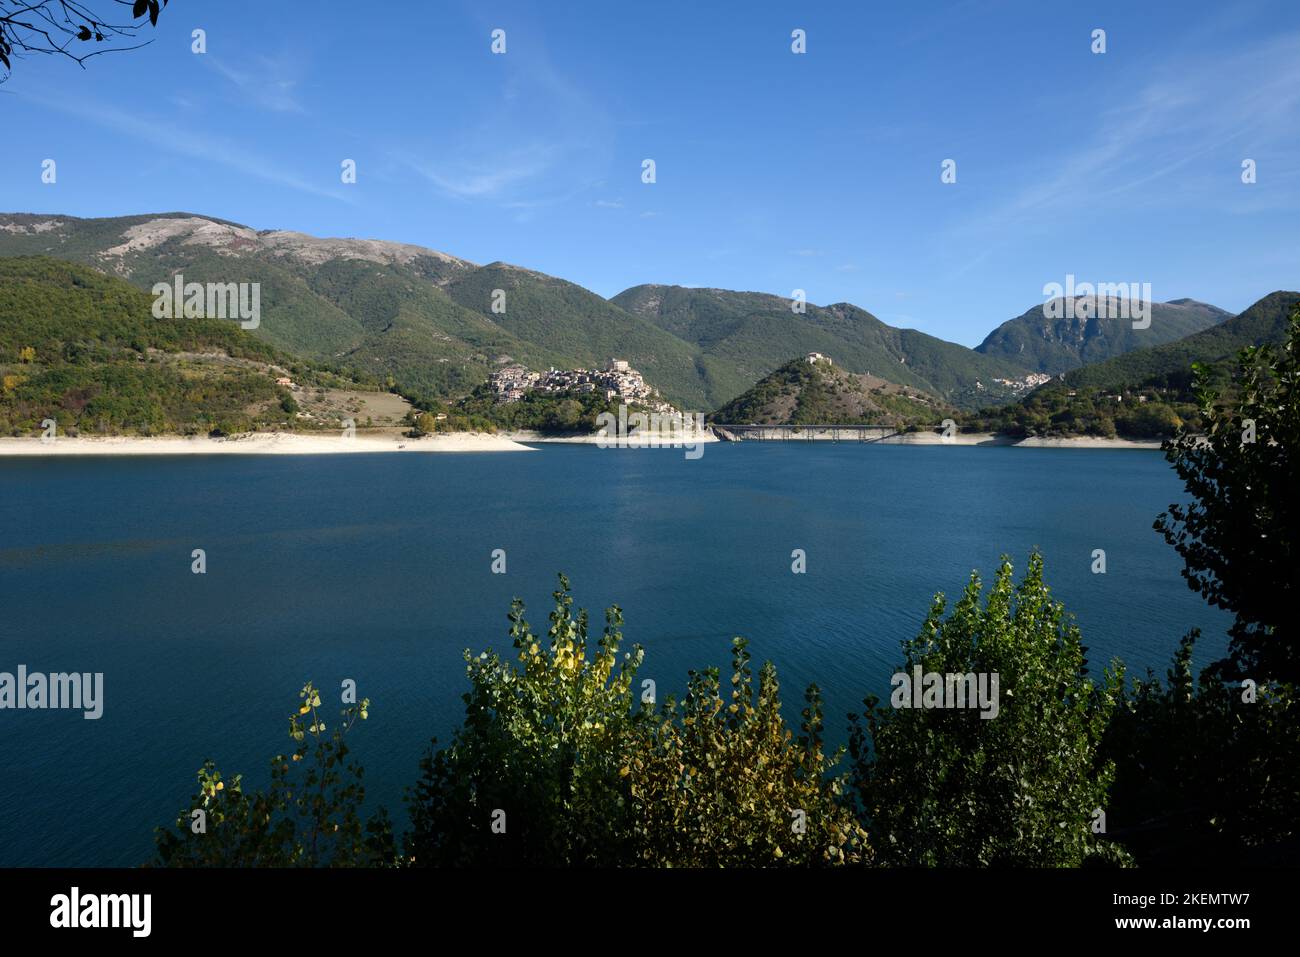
<point x="649" y="440"/>
<point x="260" y="443"/>
<point x="294" y="443"/>
<point x="1033" y="442"/>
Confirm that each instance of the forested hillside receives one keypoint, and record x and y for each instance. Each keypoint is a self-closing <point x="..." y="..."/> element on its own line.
<point x="435" y="325"/>
<point x="85" y="350"/>
<point x="1146" y="393"/>
<point x="819" y="393"/>
<point x="1041" y="344"/>
<point x="746" y="335"/>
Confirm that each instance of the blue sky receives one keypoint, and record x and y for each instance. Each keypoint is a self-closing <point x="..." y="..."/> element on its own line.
<point x="775" y="171"/>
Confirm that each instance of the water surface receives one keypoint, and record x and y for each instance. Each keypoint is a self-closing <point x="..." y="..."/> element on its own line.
<point x="378" y="568"/>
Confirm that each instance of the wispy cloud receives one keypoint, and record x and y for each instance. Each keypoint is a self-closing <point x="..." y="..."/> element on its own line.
<point x="487" y="177"/>
<point x="197" y="144"/>
<point x="1252" y="98"/>
<point x="533" y="141"/>
<point x="1124" y="158"/>
<point x="265" y="82"/>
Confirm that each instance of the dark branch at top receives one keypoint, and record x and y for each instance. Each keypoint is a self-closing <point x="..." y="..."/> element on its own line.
<point x="70" y="28"/>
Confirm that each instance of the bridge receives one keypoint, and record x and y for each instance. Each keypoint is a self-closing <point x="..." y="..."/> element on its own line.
<point x="804" y="433"/>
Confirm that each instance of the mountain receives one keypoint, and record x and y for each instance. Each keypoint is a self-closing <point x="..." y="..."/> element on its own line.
<point x="414" y="316"/>
<point x="85" y="349"/>
<point x="587" y="330"/>
<point x="814" y="391"/>
<point x="434" y="325"/>
<point x="1143" y="393"/>
<point x="1170" y="364"/>
<point x="1040" y="344"/>
<point x="376" y="307"/>
<point x="743" y="336"/>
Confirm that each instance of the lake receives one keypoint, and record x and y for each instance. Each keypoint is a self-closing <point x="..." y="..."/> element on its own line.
<point x="379" y="568"/>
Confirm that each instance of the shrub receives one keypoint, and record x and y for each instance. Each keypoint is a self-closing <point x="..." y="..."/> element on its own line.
<point x="948" y="787"/>
<point x="1208" y="771"/>
<point x="309" y="817"/>
<point x="719" y="784"/>
<point x="556" y="753"/>
<point x="540" y="753"/>
<point x="1237" y="535"/>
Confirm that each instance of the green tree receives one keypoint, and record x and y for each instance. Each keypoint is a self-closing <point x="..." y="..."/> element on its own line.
<point x="533" y="777"/>
<point x="1236" y="535"/>
<point x="949" y="787"/>
<point x="557" y="754"/>
<point x="1148" y="420"/>
<point x="425" y="423"/>
<point x="1207" y="772"/>
<point x="310" y="816"/>
<point x="722" y="784"/>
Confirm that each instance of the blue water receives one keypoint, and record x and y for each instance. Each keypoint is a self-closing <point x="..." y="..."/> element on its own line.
<point x="378" y="568"/>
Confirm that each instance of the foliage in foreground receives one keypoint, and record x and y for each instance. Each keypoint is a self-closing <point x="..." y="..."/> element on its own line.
<point x="539" y="755"/>
<point x="1207" y="770"/>
<point x="557" y="764"/>
<point x="1236" y="535"/>
<point x="948" y="787"/>
<point x="720" y="782"/>
<point x="308" y="817"/>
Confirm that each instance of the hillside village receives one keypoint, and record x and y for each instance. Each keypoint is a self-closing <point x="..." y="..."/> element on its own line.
<point x="617" y="381"/>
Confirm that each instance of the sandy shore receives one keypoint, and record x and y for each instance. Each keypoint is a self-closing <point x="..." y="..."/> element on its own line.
<point x="650" y="440"/>
<point x="261" y="443"/>
<point x="1034" y="442"/>
<point x="1087" y="442"/>
<point x="287" y="443"/>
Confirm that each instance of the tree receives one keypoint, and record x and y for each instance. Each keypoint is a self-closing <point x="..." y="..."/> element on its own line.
<point x="568" y="415"/>
<point x="1208" y="772"/>
<point x="945" y="786"/>
<point x="1236" y="535"/>
<point x="556" y="764"/>
<point x="309" y="817"/>
<point x="60" y="27"/>
<point x="1148" y="420"/>
<point x="722" y="784"/>
<point x="533" y="778"/>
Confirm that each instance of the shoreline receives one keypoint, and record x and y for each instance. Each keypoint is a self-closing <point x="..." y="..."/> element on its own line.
<point x="259" y="443"/>
<point x="1032" y="442"/>
<point x="297" y="443"/>
<point x="649" y="440"/>
<point x="987" y="439"/>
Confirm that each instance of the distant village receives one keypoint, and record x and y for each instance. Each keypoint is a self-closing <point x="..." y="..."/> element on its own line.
<point x="1030" y="381"/>
<point x="617" y="380"/>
